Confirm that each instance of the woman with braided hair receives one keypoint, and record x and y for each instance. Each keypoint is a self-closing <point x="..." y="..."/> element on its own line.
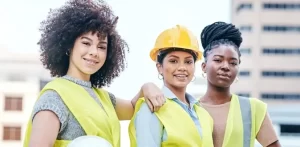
<point x="238" y="121"/>
<point x="81" y="47"/>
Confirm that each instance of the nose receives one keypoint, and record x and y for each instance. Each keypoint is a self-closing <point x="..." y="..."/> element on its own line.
<point x="225" y="66"/>
<point x="93" y="51"/>
<point x="181" y="67"/>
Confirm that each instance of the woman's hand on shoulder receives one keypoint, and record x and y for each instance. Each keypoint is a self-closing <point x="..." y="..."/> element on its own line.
<point x="154" y="96"/>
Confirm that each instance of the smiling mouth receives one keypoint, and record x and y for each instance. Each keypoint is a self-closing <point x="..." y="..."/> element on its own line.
<point x="91" y="62"/>
<point x="181" y="76"/>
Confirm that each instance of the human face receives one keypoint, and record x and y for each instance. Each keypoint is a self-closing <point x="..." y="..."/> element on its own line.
<point x="88" y="55"/>
<point x="177" y="69"/>
<point x="221" y="66"/>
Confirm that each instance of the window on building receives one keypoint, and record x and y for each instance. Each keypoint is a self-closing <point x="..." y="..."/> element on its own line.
<point x="275" y="28"/>
<point x="11" y="133"/>
<point x="289" y="130"/>
<point x="244" y="73"/>
<point x="246" y="28"/>
<point x="281" y="51"/>
<point x="244" y="94"/>
<point x="280" y="96"/>
<point x="282" y="6"/>
<point x="244" y="6"/>
<point x="286" y="74"/>
<point x="245" y="51"/>
<point x="13" y="103"/>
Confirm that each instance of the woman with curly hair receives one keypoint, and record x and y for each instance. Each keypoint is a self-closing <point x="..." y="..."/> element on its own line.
<point x="238" y="121"/>
<point x="80" y="46"/>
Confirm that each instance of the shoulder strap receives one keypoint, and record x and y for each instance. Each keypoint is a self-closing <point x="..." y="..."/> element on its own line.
<point x="247" y="119"/>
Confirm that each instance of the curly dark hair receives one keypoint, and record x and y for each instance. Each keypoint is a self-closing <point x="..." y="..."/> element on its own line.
<point x="75" y="18"/>
<point x="220" y="33"/>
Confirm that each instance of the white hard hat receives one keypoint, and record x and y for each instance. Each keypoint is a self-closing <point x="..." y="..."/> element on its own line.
<point x="89" y="141"/>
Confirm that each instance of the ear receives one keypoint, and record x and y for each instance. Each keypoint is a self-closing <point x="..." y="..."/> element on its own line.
<point x="159" y="68"/>
<point x="203" y="66"/>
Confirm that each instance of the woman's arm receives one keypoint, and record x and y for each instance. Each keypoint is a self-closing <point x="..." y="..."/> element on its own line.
<point x="148" y="128"/>
<point x="267" y="135"/>
<point x="152" y="94"/>
<point x="45" y="127"/>
<point x="48" y="119"/>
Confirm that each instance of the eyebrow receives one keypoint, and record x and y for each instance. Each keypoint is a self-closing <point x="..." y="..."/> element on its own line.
<point x="86" y="38"/>
<point x="92" y="40"/>
<point x="232" y="58"/>
<point x="178" y="57"/>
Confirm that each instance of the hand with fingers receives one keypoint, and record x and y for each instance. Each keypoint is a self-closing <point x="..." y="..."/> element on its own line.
<point x="154" y="96"/>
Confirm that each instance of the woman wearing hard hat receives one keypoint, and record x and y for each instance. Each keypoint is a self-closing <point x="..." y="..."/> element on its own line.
<point x="80" y="46"/>
<point x="238" y="121"/>
<point x="180" y="122"/>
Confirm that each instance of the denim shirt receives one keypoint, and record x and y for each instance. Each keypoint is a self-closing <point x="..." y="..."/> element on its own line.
<point x="150" y="131"/>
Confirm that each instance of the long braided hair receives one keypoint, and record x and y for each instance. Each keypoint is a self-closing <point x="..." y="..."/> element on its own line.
<point x="220" y="33"/>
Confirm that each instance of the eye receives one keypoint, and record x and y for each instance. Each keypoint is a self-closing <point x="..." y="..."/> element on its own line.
<point x="217" y="60"/>
<point x="173" y="61"/>
<point x="189" y="62"/>
<point x="86" y="43"/>
<point x="234" y="63"/>
<point x="102" y="47"/>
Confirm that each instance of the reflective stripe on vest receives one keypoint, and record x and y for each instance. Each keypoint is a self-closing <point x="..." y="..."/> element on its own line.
<point x="244" y="120"/>
<point x="247" y="119"/>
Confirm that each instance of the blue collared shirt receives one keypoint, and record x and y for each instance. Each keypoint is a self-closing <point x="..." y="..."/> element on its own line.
<point x="150" y="131"/>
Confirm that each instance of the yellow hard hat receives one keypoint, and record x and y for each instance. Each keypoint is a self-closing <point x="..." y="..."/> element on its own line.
<point x="176" y="37"/>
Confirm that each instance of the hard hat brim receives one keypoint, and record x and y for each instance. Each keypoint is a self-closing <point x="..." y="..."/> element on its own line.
<point x="154" y="53"/>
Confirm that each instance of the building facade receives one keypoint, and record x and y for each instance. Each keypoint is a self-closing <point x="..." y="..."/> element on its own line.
<point x="270" y="67"/>
<point x="21" y="78"/>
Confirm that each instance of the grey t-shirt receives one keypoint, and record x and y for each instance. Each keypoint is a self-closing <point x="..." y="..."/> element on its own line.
<point x="69" y="126"/>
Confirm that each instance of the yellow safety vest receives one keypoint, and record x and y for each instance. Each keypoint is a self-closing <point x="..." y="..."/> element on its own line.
<point x="244" y="120"/>
<point x="90" y="115"/>
<point x="180" y="128"/>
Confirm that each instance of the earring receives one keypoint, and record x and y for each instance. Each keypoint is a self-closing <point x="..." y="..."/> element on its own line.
<point x="204" y="75"/>
<point x="194" y="78"/>
<point x="160" y="76"/>
<point x="236" y="80"/>
<point x="68" y="52"/>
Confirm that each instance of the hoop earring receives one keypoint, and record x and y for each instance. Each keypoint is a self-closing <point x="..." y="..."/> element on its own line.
<point x="68" y="52"/>
<point x="236" y="80"/>
<point x="160" y="76"/>
<point x="203" y="75"/>
<point x="194" y="78"/>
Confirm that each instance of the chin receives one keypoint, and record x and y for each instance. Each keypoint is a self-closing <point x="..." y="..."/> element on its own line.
<point x="223" y="85"/>
<point x="180" y="84"/>
<point x="89" y="72"/>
